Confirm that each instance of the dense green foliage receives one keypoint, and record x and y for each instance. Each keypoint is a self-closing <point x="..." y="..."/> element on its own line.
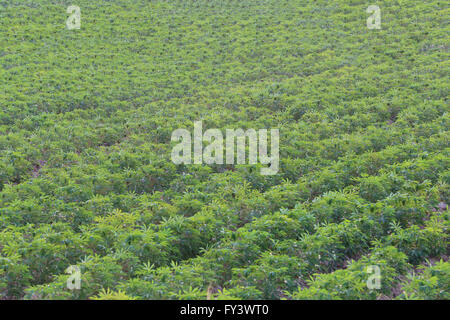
<point x="86" y="178"/>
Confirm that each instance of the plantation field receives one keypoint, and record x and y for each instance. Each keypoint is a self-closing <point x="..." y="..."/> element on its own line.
<point x="87" y="180"/>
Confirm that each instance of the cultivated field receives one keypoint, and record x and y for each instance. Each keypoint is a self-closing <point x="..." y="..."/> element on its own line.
<point x="92" y="206"/>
